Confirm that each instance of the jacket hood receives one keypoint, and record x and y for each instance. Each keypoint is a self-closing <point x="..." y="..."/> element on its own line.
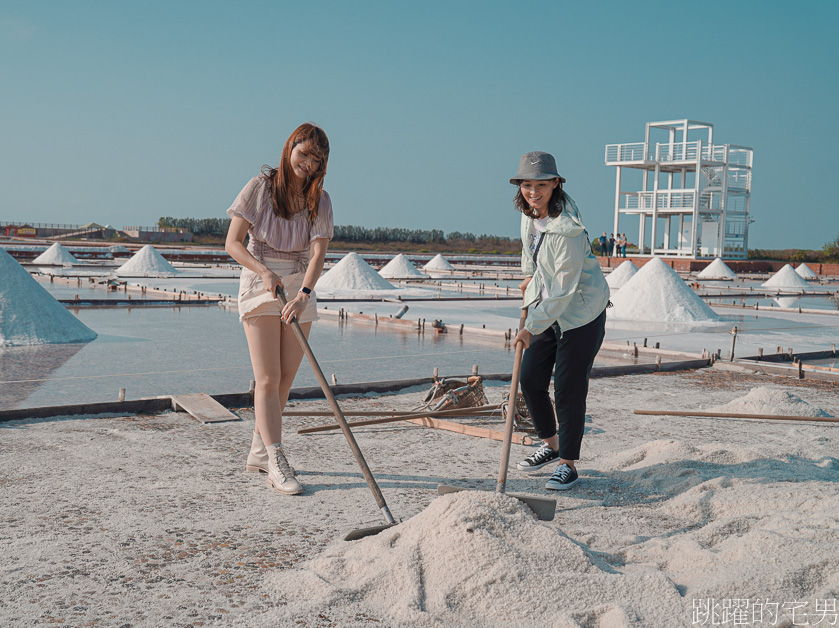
<point x="568" y="223"/>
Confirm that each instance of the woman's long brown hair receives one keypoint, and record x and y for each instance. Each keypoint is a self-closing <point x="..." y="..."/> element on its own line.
<point x="282" y="190"/>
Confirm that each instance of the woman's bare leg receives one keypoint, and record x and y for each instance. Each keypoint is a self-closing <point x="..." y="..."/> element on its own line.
<point x="290" y="356"/>
<point x="275" y="357"/>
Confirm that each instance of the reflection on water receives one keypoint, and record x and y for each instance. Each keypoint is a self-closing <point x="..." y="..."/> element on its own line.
<point x="787" y="301"/>
<point x="23" y="369"/>
<point x="156" y="351"/>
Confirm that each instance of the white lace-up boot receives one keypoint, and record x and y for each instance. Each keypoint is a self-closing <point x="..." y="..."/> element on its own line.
<point x="280" y="473"/>
<point x="258" y="456"/>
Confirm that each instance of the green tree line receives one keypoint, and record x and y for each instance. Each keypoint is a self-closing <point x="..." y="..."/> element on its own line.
<point x="350" y="233"/>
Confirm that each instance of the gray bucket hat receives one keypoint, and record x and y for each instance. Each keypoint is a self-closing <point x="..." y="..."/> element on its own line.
<point x="537" y="166"/>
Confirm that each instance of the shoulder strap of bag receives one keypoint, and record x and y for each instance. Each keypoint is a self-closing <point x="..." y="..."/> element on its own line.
<point x="538" y="246"/>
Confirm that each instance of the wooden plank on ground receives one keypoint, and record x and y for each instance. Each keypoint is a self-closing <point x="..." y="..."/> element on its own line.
<point x="471" y="430"/>
<point x="202" y="407"/>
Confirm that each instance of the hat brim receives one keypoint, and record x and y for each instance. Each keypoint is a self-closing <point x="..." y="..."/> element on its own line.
<point x="542" y="178"/>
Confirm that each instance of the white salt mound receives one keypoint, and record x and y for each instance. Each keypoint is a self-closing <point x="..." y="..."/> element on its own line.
<point x="29" y="315"/>
<point x="623" y="273"/>
<point x="766" y="400"/>
<point x="353" y="273"/>
<point x="717" y="270"/>
<point x="785" y="278"/>
<point x="438" y="262"/>
<point x="117" y="248"/>
<point x="56" y="254"/>
<point x="806" y="272"/>
<point x="400" y="267"/>
<point x="474" y="558"/>
<point x="146" y="262"/>
<point x="657" y="293"/>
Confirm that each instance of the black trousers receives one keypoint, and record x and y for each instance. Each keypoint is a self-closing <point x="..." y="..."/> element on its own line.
<point x="570" y="356"/>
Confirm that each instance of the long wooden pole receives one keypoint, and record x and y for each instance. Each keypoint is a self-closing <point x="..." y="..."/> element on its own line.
<point x="739" y="415"/>
<point x="501" y="485"/>
<point x="339" y="415"/>
<point x="392" y="419"/>
<point x="396" y="413"/>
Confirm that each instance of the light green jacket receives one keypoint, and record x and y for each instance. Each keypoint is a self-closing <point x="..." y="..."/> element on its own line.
<point x="577" y="290"/>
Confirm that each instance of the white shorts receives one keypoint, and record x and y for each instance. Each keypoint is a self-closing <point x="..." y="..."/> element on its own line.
<point x="255" y="300"/>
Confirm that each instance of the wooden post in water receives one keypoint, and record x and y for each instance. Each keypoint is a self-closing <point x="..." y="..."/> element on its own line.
<point x="121" y="395"/>
<point x="733" y="341"/>
<point x="474" y="369"/>
<point x="252" y="389"/>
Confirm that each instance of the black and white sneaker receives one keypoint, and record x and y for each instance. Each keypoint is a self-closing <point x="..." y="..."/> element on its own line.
<point x="543" y="456"/>
<point x="563" y="478"/>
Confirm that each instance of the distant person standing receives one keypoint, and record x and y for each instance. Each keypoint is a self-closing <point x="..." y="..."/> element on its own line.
<point x="288" y="216"/>
<point x="566" y="296"/>
<point x="604" y="244"/>
<point x="618" y="245"/>
<point x="623" y="245"/>
<point x="611" y="244"/>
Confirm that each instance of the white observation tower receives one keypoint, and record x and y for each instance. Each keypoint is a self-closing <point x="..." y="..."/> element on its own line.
<point x="694" y="195"/>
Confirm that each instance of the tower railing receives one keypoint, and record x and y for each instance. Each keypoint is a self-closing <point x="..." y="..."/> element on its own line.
<point x="678" y="151"/>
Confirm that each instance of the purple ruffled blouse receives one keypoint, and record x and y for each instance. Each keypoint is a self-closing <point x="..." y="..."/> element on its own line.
<point x="283" y="236"/>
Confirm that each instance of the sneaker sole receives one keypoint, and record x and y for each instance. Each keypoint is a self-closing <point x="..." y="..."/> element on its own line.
<point x="561" y="487"/>
<point x="535" y="467"/>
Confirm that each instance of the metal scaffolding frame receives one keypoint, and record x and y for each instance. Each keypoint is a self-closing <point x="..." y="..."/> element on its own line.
<point x="687" y="178"/>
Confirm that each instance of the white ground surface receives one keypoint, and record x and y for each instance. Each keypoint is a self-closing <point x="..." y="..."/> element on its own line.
<point x="151" y="521"/>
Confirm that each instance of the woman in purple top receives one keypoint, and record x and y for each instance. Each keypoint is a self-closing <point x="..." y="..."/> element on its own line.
<point x="288" y="217"/>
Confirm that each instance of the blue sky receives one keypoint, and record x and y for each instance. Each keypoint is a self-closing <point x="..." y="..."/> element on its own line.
<point x="122" y="112"/>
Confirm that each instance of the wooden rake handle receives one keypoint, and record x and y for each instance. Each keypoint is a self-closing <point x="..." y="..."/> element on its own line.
<point x="339" y="415"/>
<point x="501" y="485"/>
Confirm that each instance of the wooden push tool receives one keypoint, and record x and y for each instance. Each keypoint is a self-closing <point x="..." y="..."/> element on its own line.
<point x="544" y="508"/>
<point x="339" y="416"/>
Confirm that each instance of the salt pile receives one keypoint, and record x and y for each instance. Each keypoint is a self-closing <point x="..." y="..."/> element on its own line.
<point x="29" y="315"/>
<point x="657" y="293"/>
<point x="764" y="400"/>
<point x="717" y="270"/>
<point x="785" y="278"/>
<point x="146" y="262"/>
<point x="353" y="273"/>
<point x="470" y="559"/>
<point x="623" y="273"/>
<point x="400" y="267"/>
<point x="806" y="272"/>
<point x="118" y="248"/>
<point x="438" y="263"/>
<point x="56" y="254"/>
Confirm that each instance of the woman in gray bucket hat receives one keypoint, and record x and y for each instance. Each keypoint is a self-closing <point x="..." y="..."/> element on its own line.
<point x="566" y="296"/>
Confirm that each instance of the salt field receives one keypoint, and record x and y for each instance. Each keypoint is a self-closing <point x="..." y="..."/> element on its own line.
<point x="153" y="351"/>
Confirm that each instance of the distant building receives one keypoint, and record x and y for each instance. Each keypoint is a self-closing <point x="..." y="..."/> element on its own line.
<point x="158" y="234"/>
<point x="20" y="231"/>
<point x="694" y="196"/>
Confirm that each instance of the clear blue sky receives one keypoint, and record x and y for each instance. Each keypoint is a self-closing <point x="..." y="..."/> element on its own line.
<point x="121" y="112"/>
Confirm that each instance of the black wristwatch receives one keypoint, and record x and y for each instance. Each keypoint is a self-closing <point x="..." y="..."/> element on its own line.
<point x="305" y="290"/>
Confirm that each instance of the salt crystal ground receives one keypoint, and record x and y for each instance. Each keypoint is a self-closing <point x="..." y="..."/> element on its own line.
<point x="151" y="521"/>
